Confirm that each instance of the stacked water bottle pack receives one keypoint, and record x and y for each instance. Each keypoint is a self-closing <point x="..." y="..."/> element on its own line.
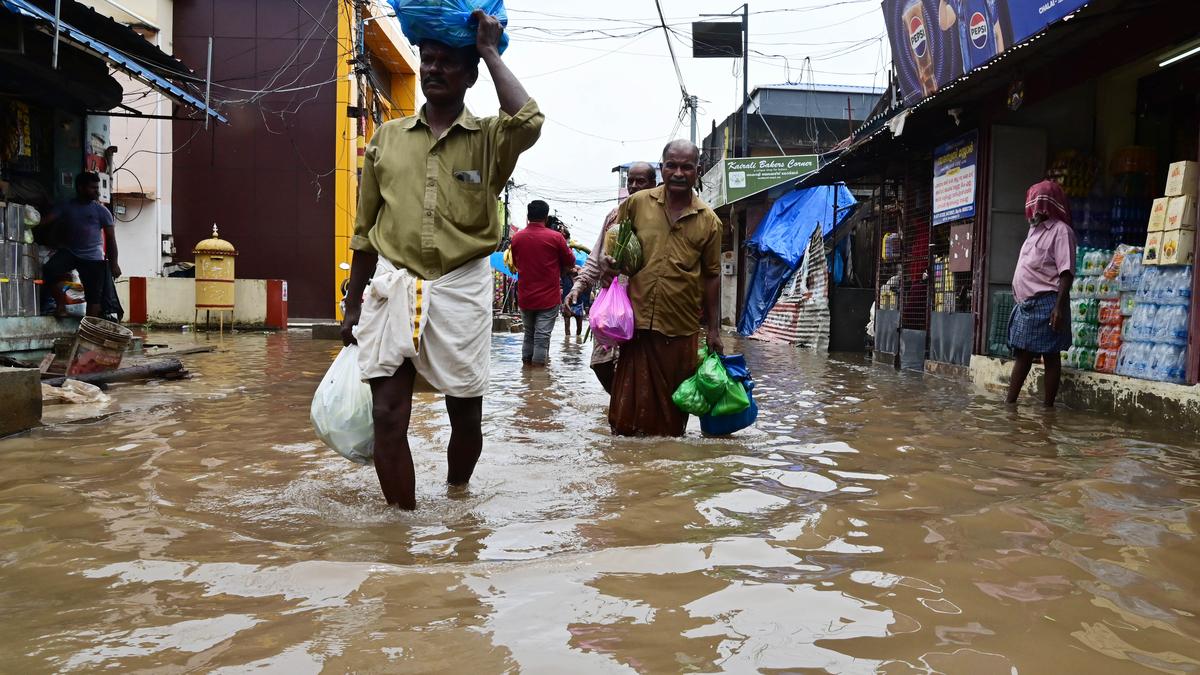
<point x="1092" y="291"/>
<point x="1155" y="346"/>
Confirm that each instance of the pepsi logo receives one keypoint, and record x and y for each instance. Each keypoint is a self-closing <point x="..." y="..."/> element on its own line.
<point x="978" y="30"/>
<point x="916" y="36"/>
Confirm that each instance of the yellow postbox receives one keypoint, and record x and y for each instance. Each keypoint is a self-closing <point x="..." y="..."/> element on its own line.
<point x="215" y="277"/>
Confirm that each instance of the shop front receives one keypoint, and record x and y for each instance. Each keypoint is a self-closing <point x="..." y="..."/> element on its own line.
<point x="56" y="91"/>
<point x="1119" y="129"/>
<point x="1104" y="100"/>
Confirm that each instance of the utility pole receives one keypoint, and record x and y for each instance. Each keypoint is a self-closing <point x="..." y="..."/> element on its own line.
<point x="849" y="117"/>
<point x="693" y="103"/>
<point x="507" y="217"/>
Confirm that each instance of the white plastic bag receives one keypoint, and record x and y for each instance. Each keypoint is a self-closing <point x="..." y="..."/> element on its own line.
<point x="341" y="409"/>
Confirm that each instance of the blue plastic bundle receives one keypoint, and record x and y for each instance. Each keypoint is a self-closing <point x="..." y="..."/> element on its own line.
<point x="723" y="425"/>
<point x="447" y="21"/>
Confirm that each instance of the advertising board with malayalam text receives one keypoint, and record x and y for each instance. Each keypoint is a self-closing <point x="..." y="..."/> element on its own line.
<point x="954" y="179"/>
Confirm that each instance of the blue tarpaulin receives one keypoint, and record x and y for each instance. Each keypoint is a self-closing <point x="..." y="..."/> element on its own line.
<point x="779" y="243"/>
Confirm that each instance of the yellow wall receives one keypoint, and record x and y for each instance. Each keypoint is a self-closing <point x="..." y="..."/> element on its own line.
<point x="349" y="143"/>
<point x="345" y="191"/>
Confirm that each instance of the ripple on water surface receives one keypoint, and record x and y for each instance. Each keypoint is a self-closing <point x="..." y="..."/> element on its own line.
<point x="872" y="521"/>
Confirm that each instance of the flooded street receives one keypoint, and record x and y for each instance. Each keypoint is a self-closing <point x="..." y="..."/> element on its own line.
<point x="874" y="521"/>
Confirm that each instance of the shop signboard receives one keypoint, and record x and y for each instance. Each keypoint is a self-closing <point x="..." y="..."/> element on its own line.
<point x="954" y="179"/>
<point x="936" y="41"/>
<point x="746" y="176"/>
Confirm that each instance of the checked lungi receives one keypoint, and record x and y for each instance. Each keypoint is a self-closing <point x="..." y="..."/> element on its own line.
<point x="1029" y="326"/>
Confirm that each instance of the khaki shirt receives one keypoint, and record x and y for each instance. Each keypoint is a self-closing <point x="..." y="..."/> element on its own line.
<point x="428" y="204"/>
<point x="668" y="293"/>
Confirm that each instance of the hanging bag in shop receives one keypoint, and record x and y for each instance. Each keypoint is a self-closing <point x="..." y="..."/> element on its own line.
<point x="446" y="21"/>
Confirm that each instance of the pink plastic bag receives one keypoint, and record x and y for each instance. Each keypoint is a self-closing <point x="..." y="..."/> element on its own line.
<point x="612" y="315"/>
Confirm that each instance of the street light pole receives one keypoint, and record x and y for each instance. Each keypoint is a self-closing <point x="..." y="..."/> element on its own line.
<point x="745" y="79"/>
<point x="745" y="118"/>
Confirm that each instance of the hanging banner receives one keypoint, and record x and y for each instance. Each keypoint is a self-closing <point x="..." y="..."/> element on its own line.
<point x="937" y="41"/>
<point x="712" y="186"/>
<point x="954" y="179"/>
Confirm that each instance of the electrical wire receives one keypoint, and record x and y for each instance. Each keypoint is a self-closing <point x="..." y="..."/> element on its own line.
<point x="671" y="49"/>
<point x="142" y="190"/>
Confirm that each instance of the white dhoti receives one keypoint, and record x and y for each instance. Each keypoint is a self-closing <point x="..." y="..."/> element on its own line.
<point x="443" y="326"/>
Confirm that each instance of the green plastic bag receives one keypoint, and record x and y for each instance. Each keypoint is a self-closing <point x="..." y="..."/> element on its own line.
<point x="733" y="401"/>
<point x="689" y="399"/>
<point x="711" y="378"/>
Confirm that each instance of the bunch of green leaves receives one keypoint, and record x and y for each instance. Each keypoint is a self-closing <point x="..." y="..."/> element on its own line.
<point x="628" y="249"/>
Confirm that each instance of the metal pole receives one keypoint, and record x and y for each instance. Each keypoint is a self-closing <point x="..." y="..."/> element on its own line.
<point x="208" y="84"/>
<point x="693" y="102"/>
<point x="745" y="80"/>
<point x="57" y="24"/>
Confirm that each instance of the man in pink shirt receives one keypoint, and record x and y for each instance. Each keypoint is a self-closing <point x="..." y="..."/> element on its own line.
<point x="1040" y="325"/>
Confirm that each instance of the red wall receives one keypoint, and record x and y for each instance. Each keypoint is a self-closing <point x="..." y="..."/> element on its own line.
<point x="266" y="178"/>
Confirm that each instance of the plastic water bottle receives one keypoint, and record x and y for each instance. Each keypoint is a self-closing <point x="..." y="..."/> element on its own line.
<point x="1178" y="370"/>
<point x="1162" y="362"/>
<point x="1146" y="283"/>
<point x="1149" y="321"/>
<point x="1131" y="271"/>
<point x="1163" y="329"/>
<point x="1156" y="370"/>
<point x="1185" y="287"/>
<point x="1124" y="358"/>
<point x="1181" y="326"/>
<point x="1140" y="357"/>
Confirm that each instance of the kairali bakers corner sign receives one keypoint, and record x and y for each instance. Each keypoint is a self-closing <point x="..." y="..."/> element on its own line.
<point x="734" y="179"/>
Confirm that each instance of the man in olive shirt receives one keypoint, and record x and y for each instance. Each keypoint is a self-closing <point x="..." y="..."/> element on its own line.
<point x="680" y="282"/>
<point x="427" y="222"/>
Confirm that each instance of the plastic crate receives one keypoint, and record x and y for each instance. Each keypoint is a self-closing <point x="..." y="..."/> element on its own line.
<point x="1001" y="309"/>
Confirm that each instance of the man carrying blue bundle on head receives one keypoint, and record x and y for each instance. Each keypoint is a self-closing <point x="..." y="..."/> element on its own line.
<point x="427" y="222"/>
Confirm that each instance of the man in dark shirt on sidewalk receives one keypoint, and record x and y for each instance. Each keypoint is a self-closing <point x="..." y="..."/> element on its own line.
<point x="540" y="256"/>
<point x="83" y="232"/>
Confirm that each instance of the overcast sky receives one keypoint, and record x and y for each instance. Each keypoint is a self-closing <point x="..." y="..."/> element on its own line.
<point x="611" y="100"/>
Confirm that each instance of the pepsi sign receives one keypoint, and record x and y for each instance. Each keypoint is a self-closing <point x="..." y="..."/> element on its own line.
<point x="917" y="39"/>
<point x="978" y="28"/>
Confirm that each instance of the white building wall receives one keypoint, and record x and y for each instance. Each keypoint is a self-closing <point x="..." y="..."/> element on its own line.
<point x="143" y="146"/>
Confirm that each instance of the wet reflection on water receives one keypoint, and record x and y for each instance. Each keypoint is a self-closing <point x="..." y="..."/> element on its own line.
<point x="873" y="521"/>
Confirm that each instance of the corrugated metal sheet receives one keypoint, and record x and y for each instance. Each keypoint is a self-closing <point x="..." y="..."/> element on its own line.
<point x="801" y="317"/>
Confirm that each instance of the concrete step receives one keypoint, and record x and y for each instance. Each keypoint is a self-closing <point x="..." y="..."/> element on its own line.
<point x="20" y="399"/>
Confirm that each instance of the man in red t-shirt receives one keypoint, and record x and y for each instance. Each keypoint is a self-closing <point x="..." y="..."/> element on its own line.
<point x="540" y="257"/>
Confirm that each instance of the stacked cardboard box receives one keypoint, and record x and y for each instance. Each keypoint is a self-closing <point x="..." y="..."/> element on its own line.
<point x="1171" y="231"/>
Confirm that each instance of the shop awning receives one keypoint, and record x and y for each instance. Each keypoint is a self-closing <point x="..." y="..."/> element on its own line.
<point x="117" y="45"/>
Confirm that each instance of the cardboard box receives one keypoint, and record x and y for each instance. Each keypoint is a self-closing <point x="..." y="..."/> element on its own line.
<point x="1158" y="215"/>
<point x="1181" y="214"/>
<point x="1183" y="178"/>
<point x="1153" y="253"/>
<point x="1178" y="247"/>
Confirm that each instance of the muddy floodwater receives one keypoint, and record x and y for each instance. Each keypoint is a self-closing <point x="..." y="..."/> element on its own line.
<point x="873" y="521"/>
